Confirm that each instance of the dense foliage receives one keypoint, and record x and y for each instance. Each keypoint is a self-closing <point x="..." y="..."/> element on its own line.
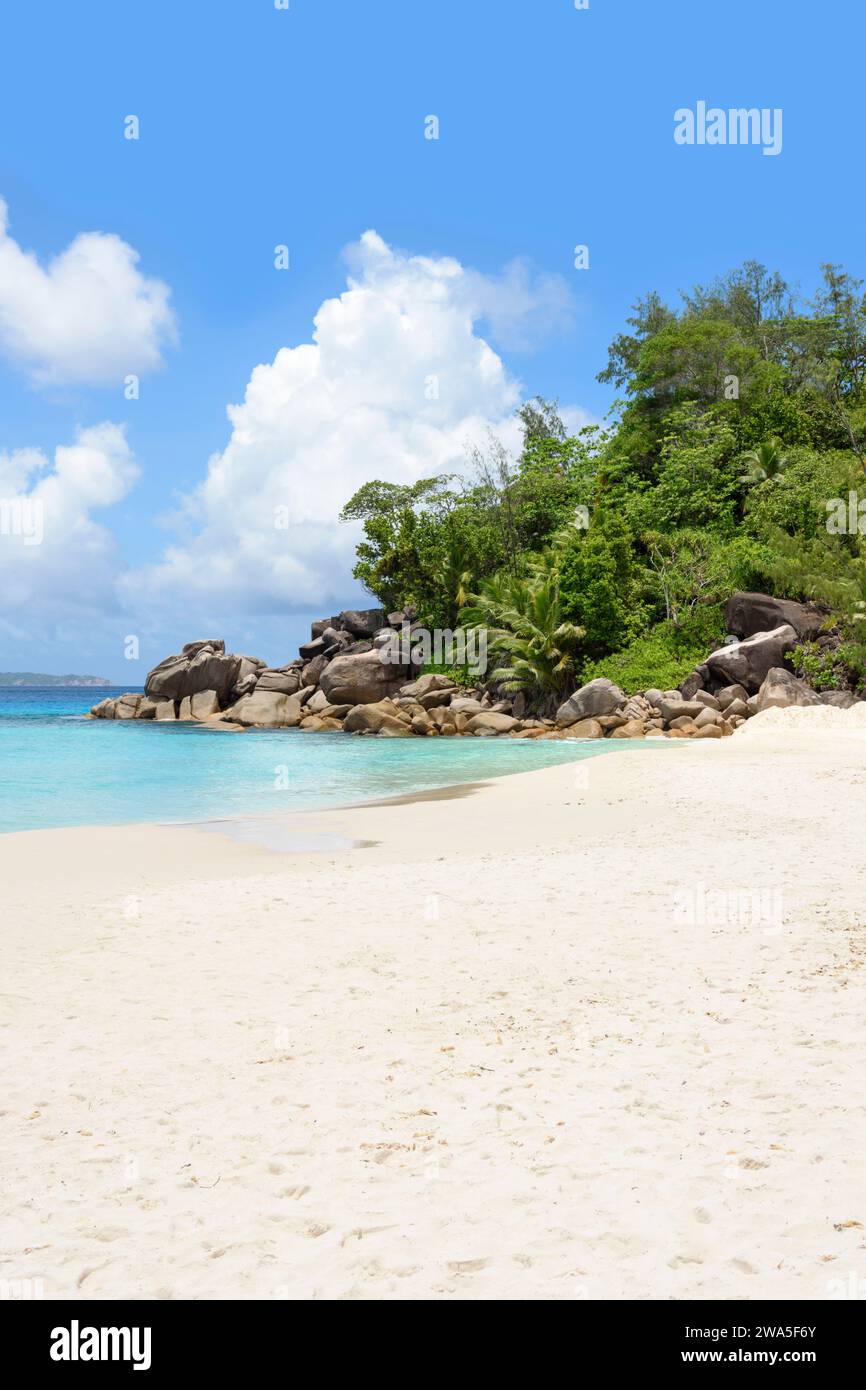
<point x="742" y="418"/>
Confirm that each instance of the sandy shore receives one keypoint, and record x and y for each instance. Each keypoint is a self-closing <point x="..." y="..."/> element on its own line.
<point x="519" y="1046"/>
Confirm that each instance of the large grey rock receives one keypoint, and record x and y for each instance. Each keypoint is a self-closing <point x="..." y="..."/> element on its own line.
<point x="780" y="687"/>
<point x="266" y="709"/>
<point x="199" y="666"/>
<point x="596" y="698"/>
<point x="748" y="614"/>
<point x="284" y="680"/>
<point x="360" y="679"/>
<point x="747" y="663"/>
<point x="362" y="622"/>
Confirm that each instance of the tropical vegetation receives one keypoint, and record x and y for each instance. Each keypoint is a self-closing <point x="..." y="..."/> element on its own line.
<point x="611" y="550"/>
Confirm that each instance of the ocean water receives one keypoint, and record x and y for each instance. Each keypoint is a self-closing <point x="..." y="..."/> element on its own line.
<point x="58" y="768"/>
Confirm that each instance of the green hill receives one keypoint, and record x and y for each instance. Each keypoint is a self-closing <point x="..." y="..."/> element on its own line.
<point x="39" y="678"/>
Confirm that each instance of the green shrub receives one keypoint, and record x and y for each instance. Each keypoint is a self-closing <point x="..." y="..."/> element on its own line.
<point x="664" y="656"/>
<point x="831" y="668"/>
<point x="460" y="675"/>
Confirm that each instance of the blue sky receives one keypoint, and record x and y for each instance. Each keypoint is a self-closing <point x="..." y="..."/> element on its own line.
<point x="305" y="127"/>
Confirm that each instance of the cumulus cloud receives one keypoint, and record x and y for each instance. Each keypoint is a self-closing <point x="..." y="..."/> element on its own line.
<point x="395" y="383"/>
<point x="56" y="560"/>
<point x="520" y="306"/>
<point x="87" y="316"/>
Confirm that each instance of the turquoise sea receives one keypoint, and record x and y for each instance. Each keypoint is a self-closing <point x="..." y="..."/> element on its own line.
<point x="58" y="768"/>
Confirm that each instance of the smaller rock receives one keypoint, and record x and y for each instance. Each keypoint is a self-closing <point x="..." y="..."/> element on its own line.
<point x="841" y="699"/>
<point x="684" y="725"/>
<point x="675" y="709"/>
<point x="464" y="704"/>
<point x="632" y="728"/>
<point x="707" y="717"/>
<point x="584" y="728"/>
<point x="737" y="708"/>
<point x="705" y="698"/>
<point x="597" y="697"/>
<point x="729" y="693"/>
<point x="203" y="704"/>
<point x="782" y="689"/>
<point x="489" y="724"/>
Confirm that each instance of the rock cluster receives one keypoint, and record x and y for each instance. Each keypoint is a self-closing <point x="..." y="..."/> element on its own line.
<point x="339" y="680"/>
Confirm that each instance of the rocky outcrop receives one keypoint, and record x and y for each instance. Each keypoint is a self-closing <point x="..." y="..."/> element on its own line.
<point x="358" y="673"/>
<point x="748" y="614"/>
<point x="597" y="697"/>
<point x="360" y="679"/>
<point x="198" y="666"/>
<point x="265" y="708"/>
<point x="782" y="688"/>
<point x="746" y="663"/>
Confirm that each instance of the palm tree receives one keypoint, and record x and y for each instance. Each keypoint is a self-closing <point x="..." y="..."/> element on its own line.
<point x="526" y="628"/>
<point x="454" y="576"/>
<point x="767" y="461"/>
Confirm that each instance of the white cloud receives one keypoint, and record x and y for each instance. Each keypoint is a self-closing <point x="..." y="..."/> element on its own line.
<point x="358" y="402"/>
<point x="520" y="305"/>
<point x="56" y="561"/>
<point x="87" y="316"/>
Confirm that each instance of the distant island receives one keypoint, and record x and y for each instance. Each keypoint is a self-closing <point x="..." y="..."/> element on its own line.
<point x="39" y="678"/>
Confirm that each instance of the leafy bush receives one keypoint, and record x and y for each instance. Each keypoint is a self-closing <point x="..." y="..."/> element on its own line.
<point x="460" y="675"/>
<point x="831" y="668"/>
<point x="664" y="656"/>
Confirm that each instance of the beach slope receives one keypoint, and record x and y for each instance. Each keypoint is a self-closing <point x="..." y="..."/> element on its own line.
<point x="590" y="1032"/>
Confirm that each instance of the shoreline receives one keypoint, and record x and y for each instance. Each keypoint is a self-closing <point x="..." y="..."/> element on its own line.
<point x="240" y="1073"/>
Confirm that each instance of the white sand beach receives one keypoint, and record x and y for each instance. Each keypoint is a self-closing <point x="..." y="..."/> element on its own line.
<point x="517" y="1047"/>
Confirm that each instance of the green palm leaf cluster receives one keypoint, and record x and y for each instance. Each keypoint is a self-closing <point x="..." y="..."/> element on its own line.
<point x="527" y="632"/>
<point x="767" y="461"/>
